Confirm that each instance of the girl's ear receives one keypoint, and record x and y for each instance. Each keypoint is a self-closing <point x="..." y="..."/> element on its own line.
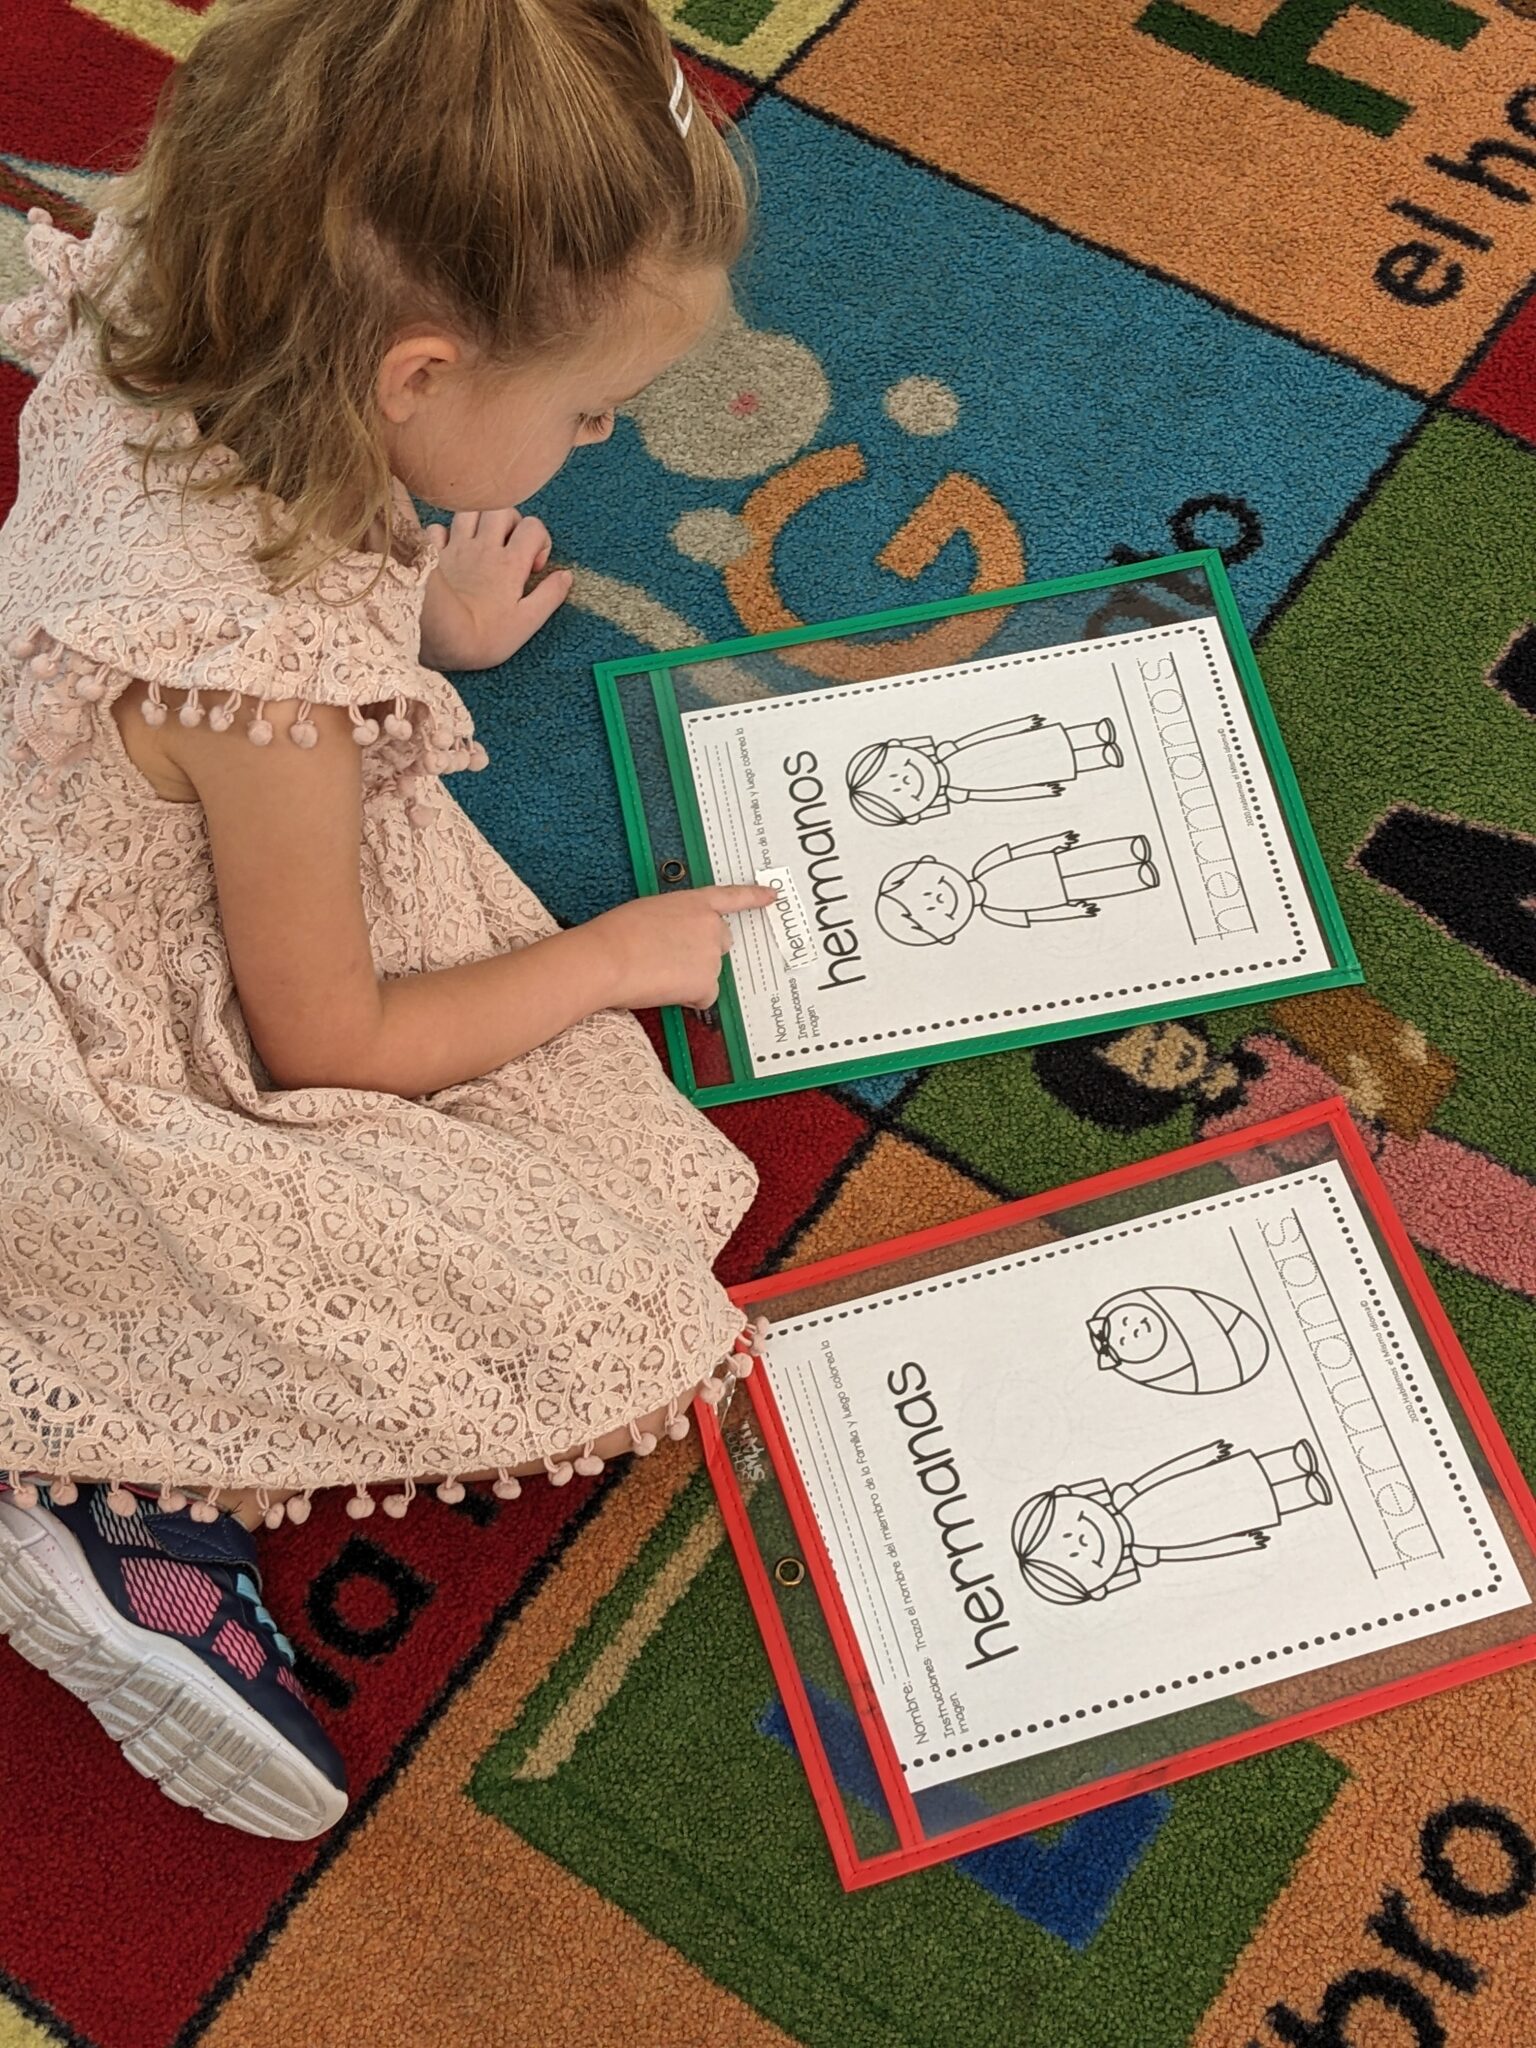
<point x="409" y="372"/>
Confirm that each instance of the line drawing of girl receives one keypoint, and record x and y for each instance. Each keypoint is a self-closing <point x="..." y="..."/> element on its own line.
<point x="900" y="782"/>
<point x="1081" y="1542"/>
<point x="1178" y="1340"/>
<point x="925" y="902"/>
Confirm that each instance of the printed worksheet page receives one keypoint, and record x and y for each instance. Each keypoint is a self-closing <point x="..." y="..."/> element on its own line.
<point x="971" y="851"/>
<point x="1160" y="1463"/>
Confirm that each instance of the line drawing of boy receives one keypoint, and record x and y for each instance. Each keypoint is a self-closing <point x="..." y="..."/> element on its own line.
<point x="925" y="902"/>
<point x="1081" y="1542"/>
<point x="899" y="782"/>
<point x="1178" y="1340"/>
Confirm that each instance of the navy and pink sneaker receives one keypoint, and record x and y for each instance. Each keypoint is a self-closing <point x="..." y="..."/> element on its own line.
<point x="156" y="1621"/>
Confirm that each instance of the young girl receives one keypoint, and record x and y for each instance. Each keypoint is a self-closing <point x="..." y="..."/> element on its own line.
<point x="328" y="1159"/>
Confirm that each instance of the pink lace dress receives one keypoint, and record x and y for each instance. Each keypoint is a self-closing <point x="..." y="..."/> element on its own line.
<point x="206" y="1281"/>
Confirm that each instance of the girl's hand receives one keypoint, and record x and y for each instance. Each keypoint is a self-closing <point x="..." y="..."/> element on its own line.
<point x="668" y="949"/>
<point x="479" y="605"/>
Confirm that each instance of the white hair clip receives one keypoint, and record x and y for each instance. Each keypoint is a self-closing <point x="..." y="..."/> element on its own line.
<point x="680" y="105"/>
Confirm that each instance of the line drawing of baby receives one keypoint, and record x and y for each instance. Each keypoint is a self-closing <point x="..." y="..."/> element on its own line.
<point x="925" y="902"/>
<point x="900" y="782"/>
<point x="1084" y="1541"/>
<point x="1178" y="1340"/>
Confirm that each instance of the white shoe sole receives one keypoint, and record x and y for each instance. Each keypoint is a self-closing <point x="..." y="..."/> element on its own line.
<point x="199" y="1741"/>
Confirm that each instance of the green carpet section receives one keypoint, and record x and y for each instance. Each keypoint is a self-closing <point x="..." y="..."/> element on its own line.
<point x="994" y="1116"/>
<point x="728" y="21"/>
<point x="715" y="1846"/>
<point x="1498" y="1332"/>
<point x="1376" y="673"/>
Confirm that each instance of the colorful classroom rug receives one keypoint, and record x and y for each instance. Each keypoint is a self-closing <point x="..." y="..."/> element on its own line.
<point x="1036" y="287"/>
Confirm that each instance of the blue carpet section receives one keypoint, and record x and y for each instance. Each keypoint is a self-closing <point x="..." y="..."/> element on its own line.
<point x="1066" y="1884"/>
<point x="1107" y="400"/>
<point x="548" y="802"/>
<point x="876" y="1091"/>
<point x="1110" y="401"/>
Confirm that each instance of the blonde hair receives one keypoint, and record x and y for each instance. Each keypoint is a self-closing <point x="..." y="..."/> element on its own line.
<point x="321" y="173"/>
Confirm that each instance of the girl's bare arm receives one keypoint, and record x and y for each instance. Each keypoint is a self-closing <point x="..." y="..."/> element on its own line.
<point x="285" y="827"/>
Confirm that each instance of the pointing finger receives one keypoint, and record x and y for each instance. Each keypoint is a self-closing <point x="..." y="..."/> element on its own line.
<point x="729" y="896"/>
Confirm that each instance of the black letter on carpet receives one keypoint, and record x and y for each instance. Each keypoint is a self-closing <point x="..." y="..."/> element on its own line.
<point x="1442" y="1876"/>
<point x="362" y="1560"/>
<point x="1394" y="1929"/>
<point x="1381" y="1987"/>
<point x="1477" y="883"/>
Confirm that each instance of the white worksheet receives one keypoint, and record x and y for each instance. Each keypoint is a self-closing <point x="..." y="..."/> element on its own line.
<point x="1158" y="1464"/>
<point x="1004" y="844"/>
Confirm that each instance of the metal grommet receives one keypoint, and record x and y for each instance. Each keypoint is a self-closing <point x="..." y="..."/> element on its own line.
<point x="789" y="1571"/>
<point x="674" y="870"/>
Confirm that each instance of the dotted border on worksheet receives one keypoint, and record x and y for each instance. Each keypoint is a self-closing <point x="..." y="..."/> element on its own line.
<point x="1258" y="1657"/>
<point x="1139" y="988"/>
